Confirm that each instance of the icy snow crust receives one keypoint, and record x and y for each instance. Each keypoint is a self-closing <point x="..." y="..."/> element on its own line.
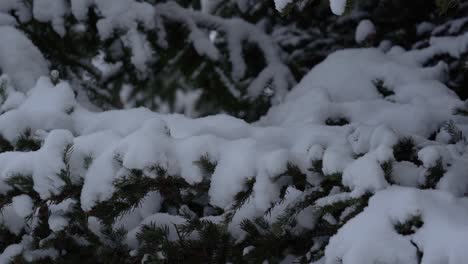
<point x="343" y="86"/>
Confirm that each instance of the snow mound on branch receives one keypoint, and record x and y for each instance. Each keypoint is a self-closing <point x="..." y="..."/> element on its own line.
<point x="51" y="11"/>
<point x="34" y="114"/>
<point x="281" y="4"/>
<point x="338" y="7"/>
<point x="364" y="30"/>
<point x="18" y="7"/>
<point x="371" y="236"/>
<point x="365" y="173"/>
<point x="418" y="104"/>
<point x="20" y="59"/>
<point x="23" y="205"/>
<point x="43" y="166"/>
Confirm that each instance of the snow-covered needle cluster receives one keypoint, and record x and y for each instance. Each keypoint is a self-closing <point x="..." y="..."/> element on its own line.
<point x="364" y="160"/>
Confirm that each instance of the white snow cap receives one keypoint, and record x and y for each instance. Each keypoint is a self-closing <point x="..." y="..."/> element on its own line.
<point x="22" y="205"/>
<point x="281" y="4"/>
<point x="364" y="30"/>
<point x="338" y="6"/>
<point x="20" y="59"/>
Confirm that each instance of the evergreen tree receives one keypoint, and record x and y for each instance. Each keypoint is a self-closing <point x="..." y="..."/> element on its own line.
<point x="363" y="161"/>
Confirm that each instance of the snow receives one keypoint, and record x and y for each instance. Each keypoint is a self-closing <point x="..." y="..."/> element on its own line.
<point x="32" y="255"/>
<point x="315" y="152"/>
<point x="321" y="94"/>
<point x="11" y="220"/>
<point x="23" y="205"/>
<point x="32" y="113"/>
<point x="43" y="165"/>
<point x="291" y="195"/>
<point x="454" y="180"/>
<point x="338" y="7"/>
<point x="335" y="159"/>
<point x="19" y="8"/>
<point x="294" y="129"/>
<point x="51" y="11"/>
<point x="11" y="98"/>
<point x="307" y="218"/>
<point x="203" y="45"/>
<point x="236" y="164"/>
<point x="370" y="237"/>
<point x="365" y="174"/>
<point x="57" y="219"/>
<point x="429" y="156"/>
<point x="141" y="49"/>
<point x="10" y="252"/>
<point x="364" y="30"/>
<point x="424" y="27"/>
<point x="20" y="59"/>
<point x="108" y="144"/>
<point x="281" y="4"/>
<point x="79" y="8"/>
<point x="159" y="220"/>
<point x="118" y="14"/>
<point x="191" y="149"/>
<point x="57" y="223"/>
<point x="7" y="20"/>
<point x="133" y="18"/>
<point x="407" y="174"/>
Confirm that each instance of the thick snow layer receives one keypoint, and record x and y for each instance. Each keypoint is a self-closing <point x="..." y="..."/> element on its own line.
<point x="419" y="104"/>
<point x="371" y="237"/>
<point x="296" y="128"/>
<point x="43" y="165"/>
<point x="20" y="59"/>
<point x="34" y="114"/>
